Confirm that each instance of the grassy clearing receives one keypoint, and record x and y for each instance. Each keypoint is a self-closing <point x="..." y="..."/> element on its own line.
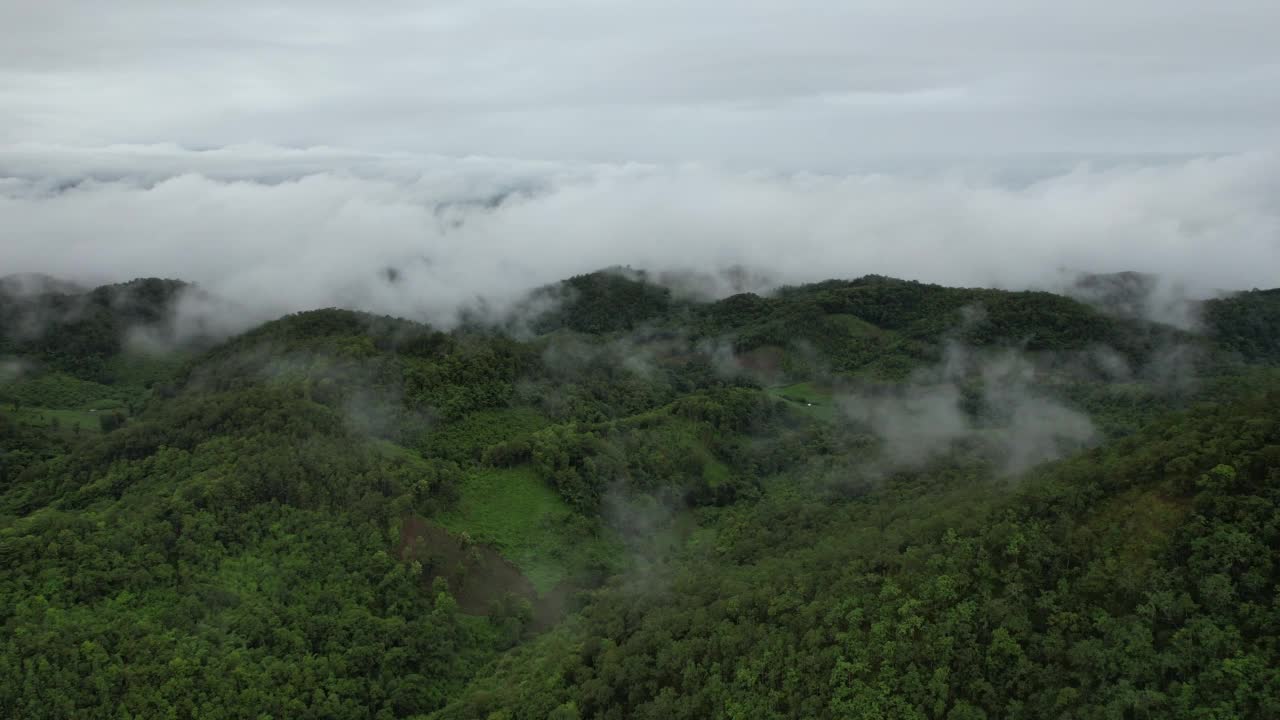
<point x="1142" y="521"/>
<point x="714" y="472"/>
<point x="65" y="420"/>
<point x="808" y="398"/>
<point x="854" y="324"/>
<point x="61" y="402"/>
<point x="137" y="370"/>
<point x="63" y="392"/>
<point x="527" y="522"/>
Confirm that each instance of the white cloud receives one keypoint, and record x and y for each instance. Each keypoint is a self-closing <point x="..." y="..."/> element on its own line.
<point x="459" y="229"/>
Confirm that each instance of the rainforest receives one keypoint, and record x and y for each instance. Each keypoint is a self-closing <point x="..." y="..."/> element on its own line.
<point x="862" y="498"/>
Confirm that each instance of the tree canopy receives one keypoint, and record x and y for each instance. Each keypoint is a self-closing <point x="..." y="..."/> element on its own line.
<point x="623" y="502"/>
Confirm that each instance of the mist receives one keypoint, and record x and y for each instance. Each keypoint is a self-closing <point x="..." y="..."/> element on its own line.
<point x="11" y="370"/>
<point x="1019" y="425"/>
<point x="271" y="230"/>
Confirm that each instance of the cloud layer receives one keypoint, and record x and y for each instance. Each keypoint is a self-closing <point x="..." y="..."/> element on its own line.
<point x="808" y="84"/>
<point x="281" y="230"/>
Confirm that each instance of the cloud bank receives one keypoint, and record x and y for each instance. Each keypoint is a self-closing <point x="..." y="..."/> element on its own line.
<point x="278" y="230"/>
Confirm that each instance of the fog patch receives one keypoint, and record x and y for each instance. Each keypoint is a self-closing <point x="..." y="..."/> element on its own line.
<point x="11" y="370"/>
<point x="716" y="284"/>
<point x="25" y="285"/>
<point x="651" y="533"/>
<point x="983" y="400"/>
<point x="1138" y="296"/>
<point x="1173" y="368"/>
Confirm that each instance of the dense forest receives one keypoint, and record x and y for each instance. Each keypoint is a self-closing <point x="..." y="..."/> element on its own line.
<point x="867" y="498"/>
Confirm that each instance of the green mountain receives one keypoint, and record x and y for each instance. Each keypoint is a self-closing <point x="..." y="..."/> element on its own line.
<point x="857" y="498"/>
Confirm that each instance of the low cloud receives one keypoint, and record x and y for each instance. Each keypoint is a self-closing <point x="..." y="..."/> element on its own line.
<point x="983" y="400"/>
<point x="275" y="231"/>
<point x="1138" y="295"/>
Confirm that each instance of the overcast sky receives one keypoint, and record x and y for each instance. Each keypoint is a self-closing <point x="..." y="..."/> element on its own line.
<point x="285" y="152"/>
<point x="793" y="83"/>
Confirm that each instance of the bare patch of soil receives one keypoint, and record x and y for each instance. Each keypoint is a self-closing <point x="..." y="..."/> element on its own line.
<point x="479" y="576"/>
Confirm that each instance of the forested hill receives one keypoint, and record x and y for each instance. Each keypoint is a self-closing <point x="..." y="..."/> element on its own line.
<point x="858" y="498"/>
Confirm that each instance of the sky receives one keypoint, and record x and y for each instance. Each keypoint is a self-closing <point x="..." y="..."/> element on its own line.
<point x="797" y="84"/>
<point x="284" y="151"/>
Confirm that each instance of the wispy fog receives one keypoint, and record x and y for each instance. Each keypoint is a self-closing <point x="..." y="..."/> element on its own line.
<point x="925" y="417"/>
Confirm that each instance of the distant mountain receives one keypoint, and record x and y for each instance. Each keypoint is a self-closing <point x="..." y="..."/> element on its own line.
<point x="1124" y="292"/>
<point x="865" y="498"/>
<point x="25" y="284"/>
<point x="57" y="324"/>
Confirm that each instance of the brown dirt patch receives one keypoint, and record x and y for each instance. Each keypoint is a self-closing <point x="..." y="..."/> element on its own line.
<point x="478" y="575"/>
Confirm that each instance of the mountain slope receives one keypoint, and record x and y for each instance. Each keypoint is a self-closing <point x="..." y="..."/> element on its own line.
<point x="832" y="501"/>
